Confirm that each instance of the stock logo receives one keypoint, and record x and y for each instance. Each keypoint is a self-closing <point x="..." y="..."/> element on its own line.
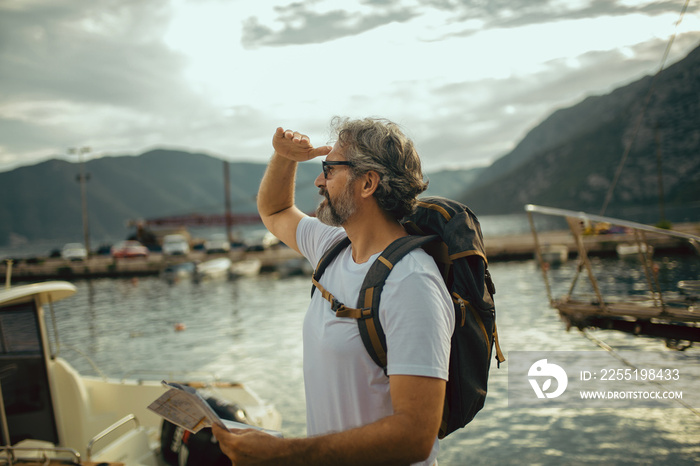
<point x="542" y="370"/>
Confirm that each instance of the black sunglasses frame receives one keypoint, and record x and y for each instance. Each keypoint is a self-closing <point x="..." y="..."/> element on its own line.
<point x="326" y="163"/>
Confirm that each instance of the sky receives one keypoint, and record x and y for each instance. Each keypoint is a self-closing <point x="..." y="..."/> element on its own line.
<point x="466" y="79"/>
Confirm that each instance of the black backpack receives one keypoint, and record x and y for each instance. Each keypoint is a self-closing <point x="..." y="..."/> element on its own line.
<point x="450" y="233"/>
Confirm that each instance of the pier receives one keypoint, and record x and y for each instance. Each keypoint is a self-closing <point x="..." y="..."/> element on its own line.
<point x="96" y="266"/>
<point x="668" y="313"/>
<point x="498" y="248"/>
<point x="522" y="246"/>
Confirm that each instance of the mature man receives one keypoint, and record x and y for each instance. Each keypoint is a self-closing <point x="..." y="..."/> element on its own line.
<point x="356" y="413"/>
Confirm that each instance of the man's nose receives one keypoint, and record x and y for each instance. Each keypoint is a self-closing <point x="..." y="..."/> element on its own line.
<point x="320" y="180"/>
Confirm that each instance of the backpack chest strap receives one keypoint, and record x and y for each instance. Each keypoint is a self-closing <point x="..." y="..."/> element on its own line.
<point x="367" y="312"/>
<point x="372" y="337"/>
<point x="340" y="309"/>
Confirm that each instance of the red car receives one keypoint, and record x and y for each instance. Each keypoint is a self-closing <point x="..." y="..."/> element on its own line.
<point x="129" y="249"/>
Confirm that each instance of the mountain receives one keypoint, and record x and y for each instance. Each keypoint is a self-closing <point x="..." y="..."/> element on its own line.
<point x="42" y="202"/>
<point x="452" y="183"/>
<point x="570" y="159"/>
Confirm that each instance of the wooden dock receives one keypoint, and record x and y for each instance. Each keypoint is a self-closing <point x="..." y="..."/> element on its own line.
<point x="522" y="247"/>
<point x="39" y="268"/>
<point x="674" y="321"/>
<point x="498" y="248"/>
<point x="658" y="312"/>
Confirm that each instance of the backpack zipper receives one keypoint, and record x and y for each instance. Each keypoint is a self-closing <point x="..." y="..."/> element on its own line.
<point x="463" y="306"/>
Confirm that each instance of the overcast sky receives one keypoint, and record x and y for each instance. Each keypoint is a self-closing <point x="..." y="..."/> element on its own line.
<point x="466" y="78"/>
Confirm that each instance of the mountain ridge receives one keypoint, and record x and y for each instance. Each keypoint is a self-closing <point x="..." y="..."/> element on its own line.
<point x="569" y="160"/>
<point x="666" y="146"/>
<point x="42" y="201"/>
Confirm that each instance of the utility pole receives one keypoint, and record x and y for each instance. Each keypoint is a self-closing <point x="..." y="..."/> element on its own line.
<point x="82" y="179"/>
<point x="227" y="201"/>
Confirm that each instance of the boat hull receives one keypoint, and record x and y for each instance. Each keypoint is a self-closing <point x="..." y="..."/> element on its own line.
<point x="97" y="418"/>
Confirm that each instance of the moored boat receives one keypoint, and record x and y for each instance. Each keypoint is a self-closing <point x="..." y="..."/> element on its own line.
<point x="653" y="310"/>
<point x="51" y="412"/>
<point x="245" y="268"/>
<point x="212" y="269"/>
<point x="295" y="266"/>
<point x="175" y="272"/>
<point x="555" y="253"/>
<point x="627" y="249"/>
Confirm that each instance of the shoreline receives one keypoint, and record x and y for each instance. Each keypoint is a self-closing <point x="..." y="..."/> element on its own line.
<point x="518" y="247"/>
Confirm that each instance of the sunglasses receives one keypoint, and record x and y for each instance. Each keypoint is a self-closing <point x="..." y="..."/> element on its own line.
<point x="325" y="164"/>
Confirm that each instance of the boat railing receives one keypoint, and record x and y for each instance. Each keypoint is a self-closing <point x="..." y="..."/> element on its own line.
<point x="8" y="273"/>
<point x="143" y="374"/>
<point x="641" y="235"/>
<point x="92" y="363"/>
<point x="146" y="374"/>
<point x="10" y="455"/>
<point x="530" y="208"/>
<point x="111" y="430"/>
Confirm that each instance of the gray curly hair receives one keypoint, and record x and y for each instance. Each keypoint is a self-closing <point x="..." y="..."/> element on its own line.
<point x="379" y="145"/>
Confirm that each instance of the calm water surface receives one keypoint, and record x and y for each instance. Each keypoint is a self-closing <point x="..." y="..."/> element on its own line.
<point x="250" y="330"/>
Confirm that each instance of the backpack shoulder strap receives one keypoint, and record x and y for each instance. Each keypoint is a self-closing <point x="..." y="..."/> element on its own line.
<point x="325" y="260"/>
<point x="367" y="311"/>
<point x="368" y="302"/>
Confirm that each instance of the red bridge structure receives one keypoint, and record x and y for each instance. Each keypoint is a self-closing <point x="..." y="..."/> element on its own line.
<point x="195" y="219"/>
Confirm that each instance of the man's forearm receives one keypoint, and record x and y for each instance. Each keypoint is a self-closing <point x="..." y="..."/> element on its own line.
<point x="276" y="192"/>
<point x="387" y="441"/>
<point x="406" y="436"/>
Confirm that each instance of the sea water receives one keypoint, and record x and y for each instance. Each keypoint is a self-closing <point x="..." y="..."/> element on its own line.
<point x="249" y="330"/>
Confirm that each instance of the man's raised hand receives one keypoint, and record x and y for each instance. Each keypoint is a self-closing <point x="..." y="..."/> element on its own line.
<point x="296" y="146"/>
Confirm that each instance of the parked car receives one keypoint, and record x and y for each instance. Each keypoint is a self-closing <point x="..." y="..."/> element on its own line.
<point x="74" y="252"/>
<point x="217" y="243"/>
<point x="174" y="245"/>
<point x="129" y="248"/>
<point x="104" y="250"/>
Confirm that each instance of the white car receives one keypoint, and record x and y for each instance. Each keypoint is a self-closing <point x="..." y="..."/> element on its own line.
<point x="174" y="245"/>
<point x="217" y="243"/>
<point x="74" y="252"/>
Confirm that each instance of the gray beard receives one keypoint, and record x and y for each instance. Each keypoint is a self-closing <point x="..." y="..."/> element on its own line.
<point x="338" y="212"/>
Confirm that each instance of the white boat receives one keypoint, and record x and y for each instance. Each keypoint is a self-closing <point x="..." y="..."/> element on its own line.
<point x="213" y="269"/>
<point x="555" y="253"/>
<point x="690" y="288"/>
<point x="50" y="412"/>
<point x="295" y="266"/>
<point x="177" y="272"/>
<point x="245" y="268"/>
<point x="629" y="249"/>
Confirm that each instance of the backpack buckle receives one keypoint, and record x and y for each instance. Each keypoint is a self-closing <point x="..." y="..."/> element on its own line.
<point x="341" y="310"/>
<point x="336" y="305"/>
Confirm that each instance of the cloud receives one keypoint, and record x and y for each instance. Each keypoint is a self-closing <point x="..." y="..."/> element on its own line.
<point x="70" y="69"/>
<point x="515" y="13"/>
<point x="98" y="53"/>
<point x="131" y="75"/>
<point x="302" y="24"/>
<point x="482" y="120"/>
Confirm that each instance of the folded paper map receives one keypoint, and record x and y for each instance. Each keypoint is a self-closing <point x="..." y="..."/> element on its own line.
<point x="185" y="407"/>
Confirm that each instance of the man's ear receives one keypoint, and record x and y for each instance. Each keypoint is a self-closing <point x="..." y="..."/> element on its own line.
<point x="370" y="183"/>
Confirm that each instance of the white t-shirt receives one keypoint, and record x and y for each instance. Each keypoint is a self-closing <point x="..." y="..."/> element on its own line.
<point x="344" y="387"/>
